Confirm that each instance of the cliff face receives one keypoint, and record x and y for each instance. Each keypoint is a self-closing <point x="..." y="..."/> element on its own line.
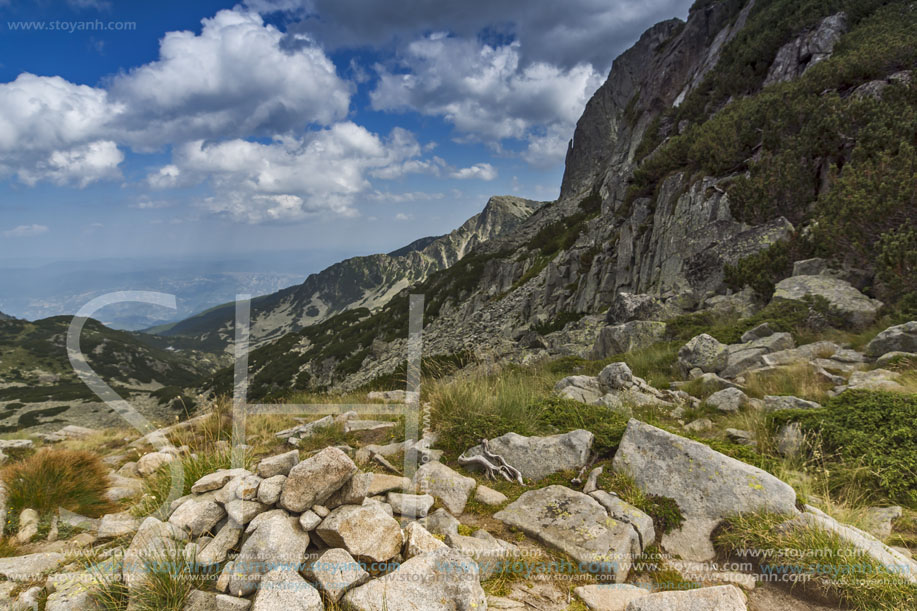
<point x="360" y="282"/>
<point x="639" y="212"/>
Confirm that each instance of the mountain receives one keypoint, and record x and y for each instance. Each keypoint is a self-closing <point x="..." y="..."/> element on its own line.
<point x="360" y="282"/>
<point x="5" y="317"/>
<point x="719" y="151"/>
<point x="37" y="382"/>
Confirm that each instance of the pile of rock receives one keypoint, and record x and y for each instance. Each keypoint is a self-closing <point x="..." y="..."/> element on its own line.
<point x="618" y="388"/>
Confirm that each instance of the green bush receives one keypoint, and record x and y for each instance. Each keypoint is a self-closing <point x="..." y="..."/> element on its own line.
<point x="867" y="436"/>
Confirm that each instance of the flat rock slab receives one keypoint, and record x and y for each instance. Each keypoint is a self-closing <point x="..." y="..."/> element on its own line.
<point x="30" y="566"/>
<point x="716" y="598"/>
<point x="609" y="596"/>
<point x="706" y="485"/>
<point x="538" y="457"/>
<point x="438" y="581"/>
<point x="577" y="525"/>
<point x="856" y="308"/>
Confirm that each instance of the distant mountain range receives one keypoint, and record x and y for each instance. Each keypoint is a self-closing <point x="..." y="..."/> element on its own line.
<point x="359" y="282"/>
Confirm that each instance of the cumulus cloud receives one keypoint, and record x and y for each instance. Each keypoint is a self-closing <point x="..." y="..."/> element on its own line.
<point x="238" y="78"/>
<point x="479" y="171"/>
<point x="25" y="231"/>
<point x="290" y="178"/>
<point x="487" y="94"/>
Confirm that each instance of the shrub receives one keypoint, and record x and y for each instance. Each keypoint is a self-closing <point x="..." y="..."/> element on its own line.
<point x="867" y="437"/>
<point x="49" y="479"/>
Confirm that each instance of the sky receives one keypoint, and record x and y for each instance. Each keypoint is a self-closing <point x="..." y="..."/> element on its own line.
<point x="176" y="128"/>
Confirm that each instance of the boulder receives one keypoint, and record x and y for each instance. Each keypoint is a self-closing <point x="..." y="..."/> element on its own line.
<point x="790" y="439"/>
<point x="28" y="526"/>
<point x="279" y="464"/>
<point x="715" y="598"/>
<point x="150" y="463"/>
<point x="418" y="540"/>
<point x="443" y="580"/>
<point x="765" y="329"/>
<point x="878" y="520"/>
<point x="410" y="505"/>
<point x="877" y="379"/>
<point x="450" y="487"/>
<point x="627" y="513"/>
<point x="616" y="376"/>
<point x="489" y="496"/>
<point x="706" y="485"/>
<point x="628" y="307"/>
<point x="210" y="601"/>
<point x="154" y="541"/>
<point x="865" y="543"/>
<point x="335" y="572"/>
<point x="269" y="490"/>
<point x="609" y="596"/>
<point x="114" y="525"/>
<point x="285" y="589"/>
<point x="634" y="335"/>
<point x="441" y="522"/>
<point x="278" y="541"/>
<point x="703" y="352"/>
<point x="314" y="480"/>
<point x="538" y="457"/>
<point x="30" y="566"/>
<point x="197" y="517"/>
<point x="486" y="550"/>
<point x="773" y="403"/>
<point x="365" y="531"/>
<point x="900" y="338"/>
<point x="576" y="524"/>
<point x="728" y="400"/>
<point x="218" y="548"/>
<point x="857" y="309"/>
<point x="584" y="389"/>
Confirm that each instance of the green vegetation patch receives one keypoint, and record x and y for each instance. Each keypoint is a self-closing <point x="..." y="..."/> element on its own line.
<point x="869" y="437"/>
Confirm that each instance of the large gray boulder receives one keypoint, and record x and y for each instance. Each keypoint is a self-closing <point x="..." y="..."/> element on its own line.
<point x="278" y="541"/>
<point x="706" y="485"/>
<point x="443" y="580"/>
<point x="634" y="335"/>
<point x="857" y="309"/>
<point x="450" y="487"/>
<point x="314" y="480"/>
<point x="900" y="338"/>
<point x="715" y="598"/>
<point x="365" y="531"/>
<point x="576" y="524"/>
<point x="538" y="457"/>
<point x="703" y="352"/>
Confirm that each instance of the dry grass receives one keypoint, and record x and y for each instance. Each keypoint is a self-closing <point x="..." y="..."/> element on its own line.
<point x="73" y="479"/>
<point x="799" y="380"/>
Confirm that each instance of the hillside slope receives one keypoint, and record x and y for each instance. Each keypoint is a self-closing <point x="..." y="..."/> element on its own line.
<point x="718" y="152"/>
<point x="38" y="382"/>
<point x="360" y="282"/>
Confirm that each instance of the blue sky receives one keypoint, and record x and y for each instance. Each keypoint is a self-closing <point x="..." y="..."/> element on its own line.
<point x="217" y="128"/>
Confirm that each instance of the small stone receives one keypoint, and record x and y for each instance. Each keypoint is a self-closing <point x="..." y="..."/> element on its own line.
<point x="150" y="463"/>
<point x="28" y="526"/>
<point x="411" y="505"/>
<point x="321" y="511"/>
<point x="418" y="540"/>
<point x="699" y="425"/>
<point x="281" y="464"/>
<point x="441" y="522"/>
<point x="489" y="496"/>
<point x="309" y="520"/>
<point x="380" y="483"/>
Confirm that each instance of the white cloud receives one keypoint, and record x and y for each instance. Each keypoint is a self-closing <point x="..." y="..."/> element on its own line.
<point x="290" y="178"/>
<point x="401" y="216"/>
<point x="488" y="95"/>
<point x="410" y="196"/>
<point x="25" y="231"/>
<point x="238" y="78"/>
<point x="479" y="171"/>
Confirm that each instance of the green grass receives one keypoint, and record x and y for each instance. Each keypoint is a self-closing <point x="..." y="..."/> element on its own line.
<point x="50" y="479"/>
<point x="835" y="569"/>
<point x="867" y="440"/>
